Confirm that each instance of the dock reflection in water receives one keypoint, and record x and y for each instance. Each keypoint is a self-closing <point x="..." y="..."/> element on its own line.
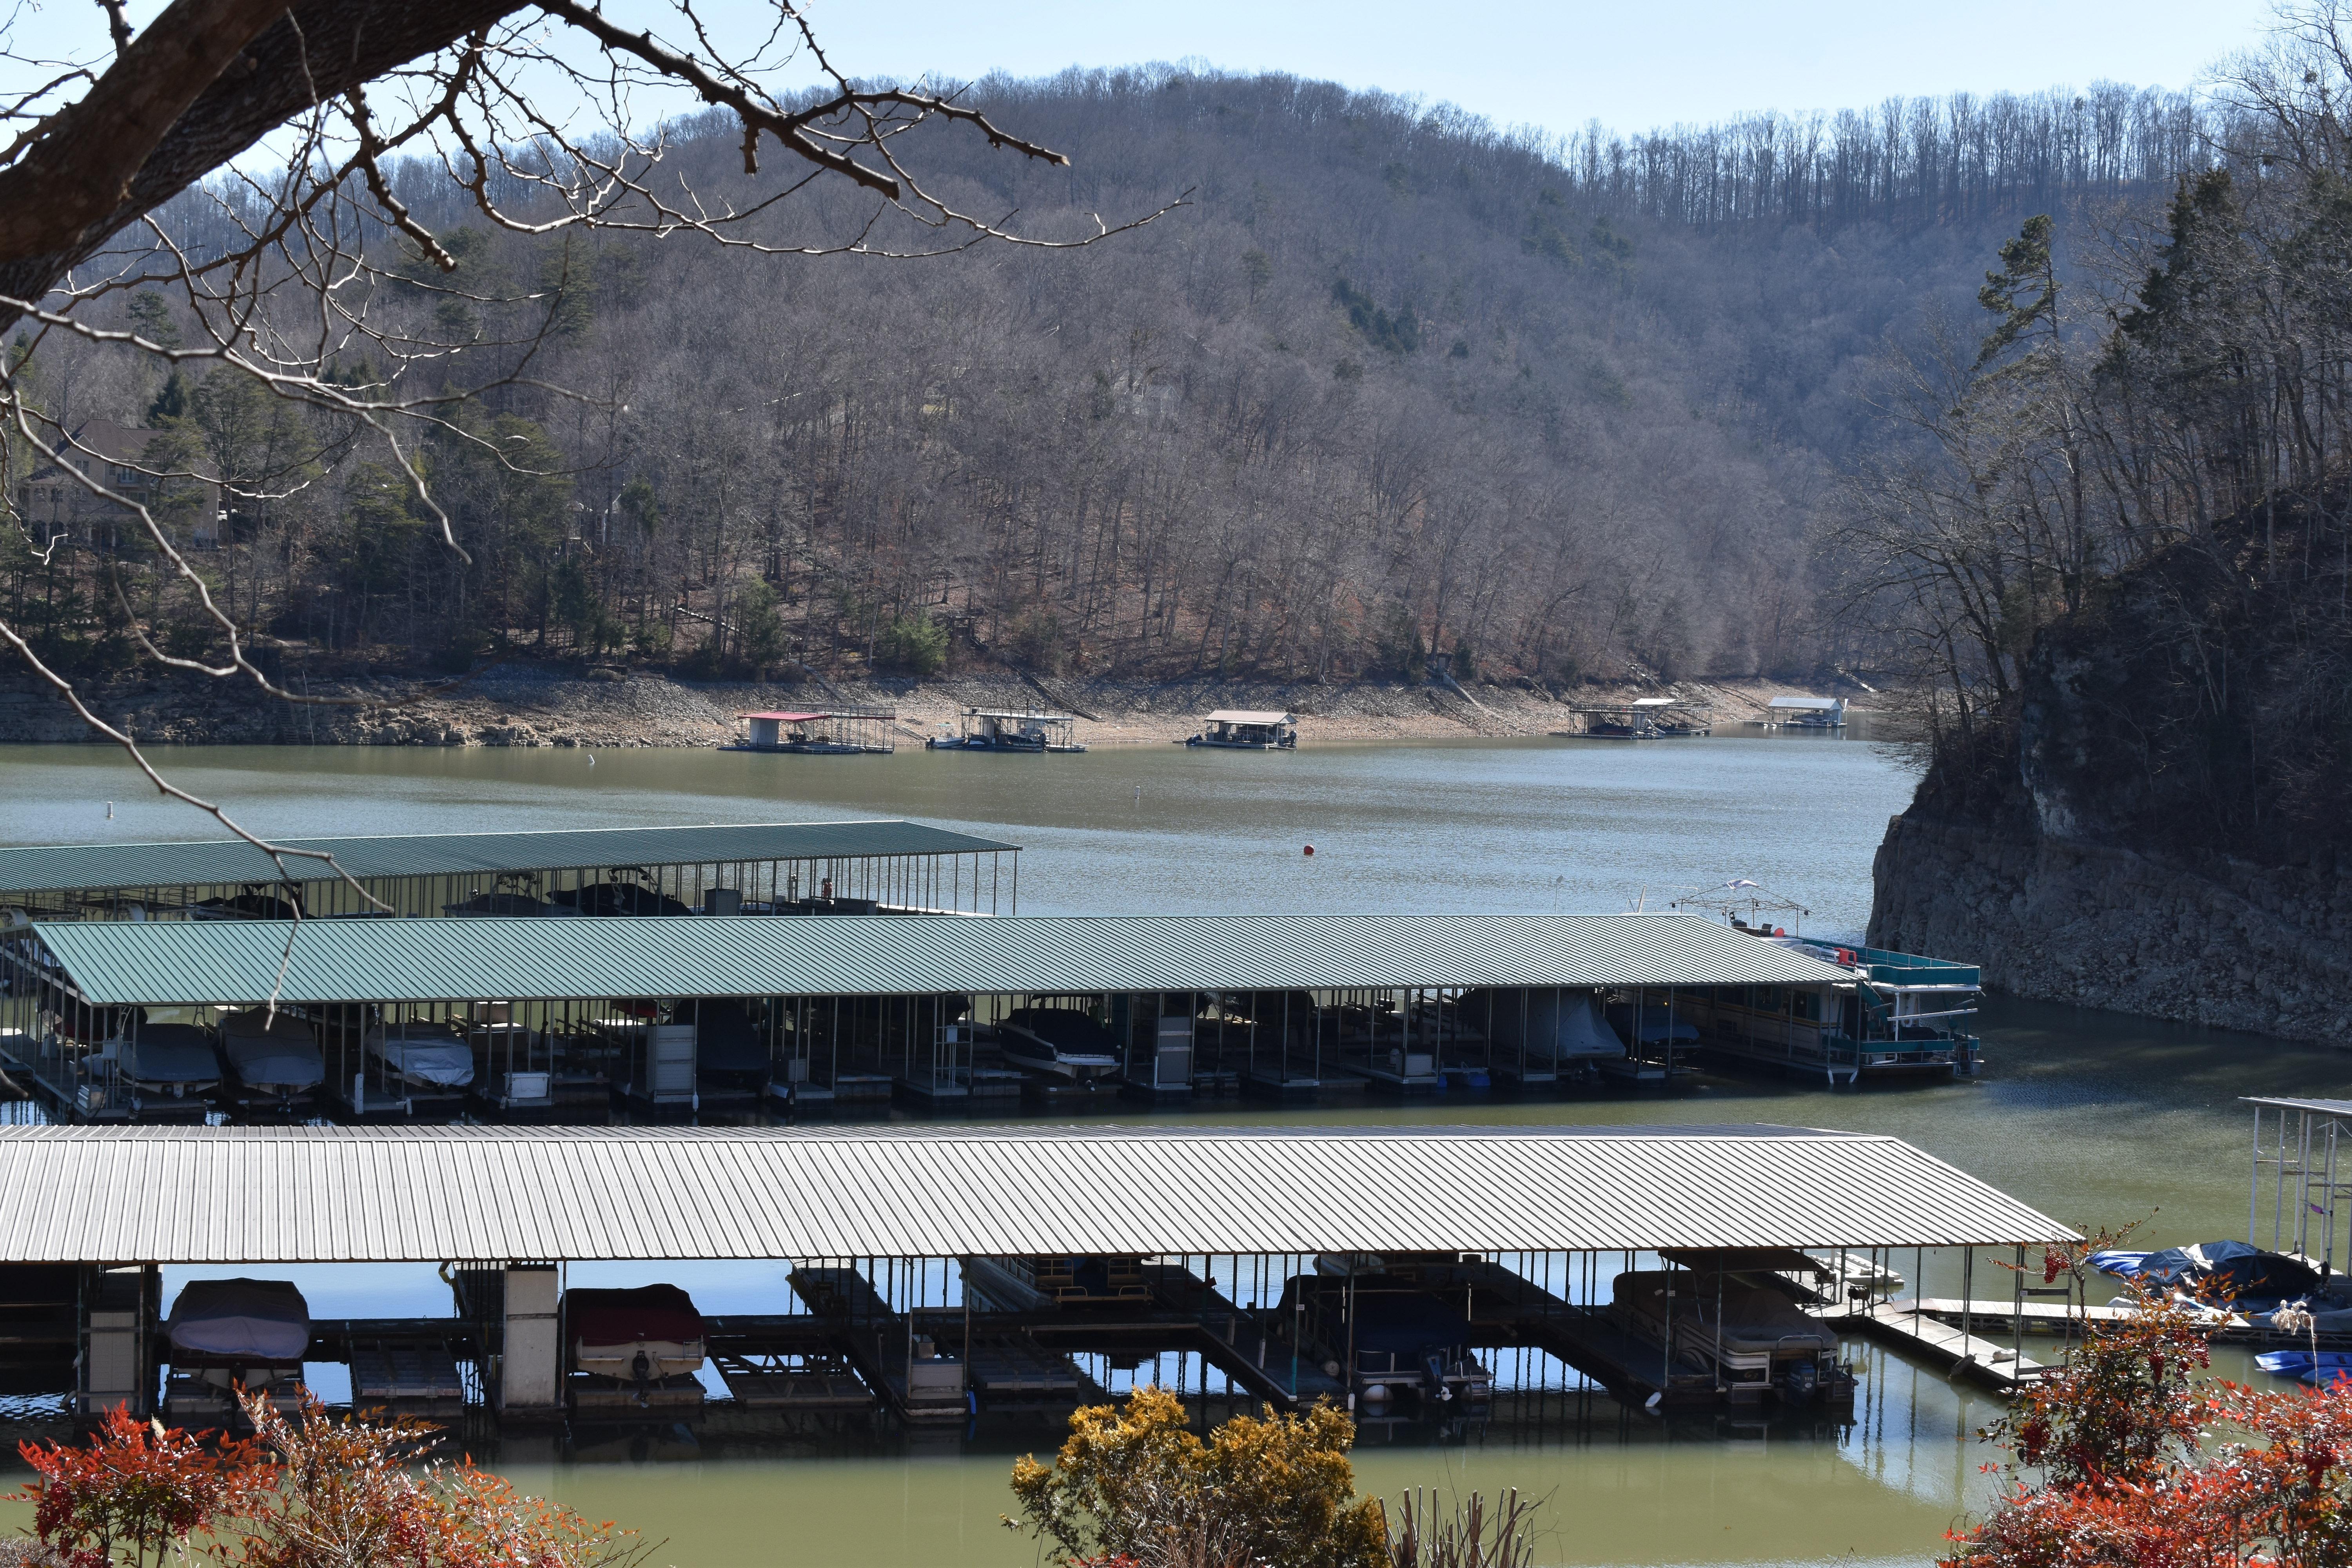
<point x="1618" y="1486"/>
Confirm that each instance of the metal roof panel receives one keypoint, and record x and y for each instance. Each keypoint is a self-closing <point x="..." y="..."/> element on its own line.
<point x="336" y="1195"/>
<point x="231" y="861"/>
<point x="186" y="962"/>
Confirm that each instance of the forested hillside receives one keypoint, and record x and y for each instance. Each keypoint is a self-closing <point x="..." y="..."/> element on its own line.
<point x="2120" y="559"/>
<point x="1386" y="388"/>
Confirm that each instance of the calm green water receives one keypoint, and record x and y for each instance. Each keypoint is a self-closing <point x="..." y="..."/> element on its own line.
<point x="2094" y="1117"/>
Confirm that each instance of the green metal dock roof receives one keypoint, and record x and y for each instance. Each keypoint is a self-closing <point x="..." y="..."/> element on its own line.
<point x="226" y="861"/>
<point x="199" y="963"/>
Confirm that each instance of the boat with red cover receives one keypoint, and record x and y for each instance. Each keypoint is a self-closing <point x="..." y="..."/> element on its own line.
<point x="640" y="1335"/>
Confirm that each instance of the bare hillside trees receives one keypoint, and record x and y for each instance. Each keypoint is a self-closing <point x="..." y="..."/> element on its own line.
<point x="297" y="323"/>
<point x="2130" y="497"/>
<point x="1396" y="393"/>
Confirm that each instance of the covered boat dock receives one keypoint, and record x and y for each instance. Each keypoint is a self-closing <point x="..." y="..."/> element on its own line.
<point x="824" y="733"/>
<point x="810" y="1015"/>
<point x="1391" y="1270"/>
<point x="775" y="867"/>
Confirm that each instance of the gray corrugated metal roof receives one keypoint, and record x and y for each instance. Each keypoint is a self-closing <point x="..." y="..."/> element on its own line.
<point x="345" y="1194"/>
<point x="124" y="961"/>
<point x="2291" y="1102"/>
<point x="212" y="862"/>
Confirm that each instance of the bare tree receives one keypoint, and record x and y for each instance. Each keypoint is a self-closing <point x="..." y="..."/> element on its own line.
<point x="276" y="134"/>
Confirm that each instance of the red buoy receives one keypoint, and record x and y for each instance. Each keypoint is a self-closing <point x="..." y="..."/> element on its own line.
<point x="1310" y="852"/>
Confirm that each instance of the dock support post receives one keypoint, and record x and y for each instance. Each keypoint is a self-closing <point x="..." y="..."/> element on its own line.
<point x="1967" y="1292"/>
<point x="2254" y="1181"/>
<point x="121" y="1309"/>
<point x="530" y="1356"/>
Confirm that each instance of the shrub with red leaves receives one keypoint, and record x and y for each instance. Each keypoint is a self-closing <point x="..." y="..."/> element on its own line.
<point x="139" y="1489"/>
<point x="2123" y="1460"/>
<point x="310" y="1491"/>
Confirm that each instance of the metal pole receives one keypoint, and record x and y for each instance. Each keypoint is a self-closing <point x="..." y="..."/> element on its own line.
<point x="1667" y="1357"/>
<point x="2254" y="1184"/>
<point x="2278" y="1196"/>
<point x="1718" y="1331"/>
<point x="2017" y="1347"/>
<point x="1968" y="1290"/>
<point x="2303" y="1182"/>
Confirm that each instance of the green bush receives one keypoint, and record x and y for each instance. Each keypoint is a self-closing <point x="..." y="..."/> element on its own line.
<point x="915" y="643"/>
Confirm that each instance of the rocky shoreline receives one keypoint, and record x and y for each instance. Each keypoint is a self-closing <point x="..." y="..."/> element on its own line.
<point x="2221" y="942"/>
<point x="529" y="705"/>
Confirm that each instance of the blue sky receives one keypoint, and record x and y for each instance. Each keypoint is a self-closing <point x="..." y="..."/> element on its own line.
<point x="1630" y="66"/>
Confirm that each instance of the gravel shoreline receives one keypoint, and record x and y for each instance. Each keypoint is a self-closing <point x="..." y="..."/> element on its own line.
<point x="524" y="705"/>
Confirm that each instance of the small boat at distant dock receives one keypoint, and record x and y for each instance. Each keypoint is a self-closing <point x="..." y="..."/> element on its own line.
<point x="1061" y="1042"/>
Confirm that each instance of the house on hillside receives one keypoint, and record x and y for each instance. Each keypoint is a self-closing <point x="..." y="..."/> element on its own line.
<point x="55" y="504"/>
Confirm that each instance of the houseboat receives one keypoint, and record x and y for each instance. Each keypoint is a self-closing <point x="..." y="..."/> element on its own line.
<point x="1806" y="713"/>
<point x="1008" y="730"/>
<point x="1898" y="1017"/>
<point x="1248" y="730"/>
<point x="1638" y="718"/>
<point x="831" y="732"/>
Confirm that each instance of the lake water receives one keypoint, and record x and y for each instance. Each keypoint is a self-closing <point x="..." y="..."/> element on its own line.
<point x="2096" y="1118"/>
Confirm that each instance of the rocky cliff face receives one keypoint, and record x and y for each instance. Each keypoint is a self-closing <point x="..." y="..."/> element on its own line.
<point x="2219" y="941"/>
<point x="2163" y="824"/>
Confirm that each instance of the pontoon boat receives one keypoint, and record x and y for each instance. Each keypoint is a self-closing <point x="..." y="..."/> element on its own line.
<point x="1248" y="730"/>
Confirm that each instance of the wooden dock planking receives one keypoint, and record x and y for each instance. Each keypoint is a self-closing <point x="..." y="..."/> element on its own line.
<point x="1988" y="1362"/>
<point x="1020" y="1370"/>
<point x="793" y="1388"/>
<point x="2051" y="1318"/>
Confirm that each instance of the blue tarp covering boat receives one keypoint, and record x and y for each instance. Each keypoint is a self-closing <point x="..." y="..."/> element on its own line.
<point x="2303" y="1364"/>
<point x="2248" y="1272"/>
